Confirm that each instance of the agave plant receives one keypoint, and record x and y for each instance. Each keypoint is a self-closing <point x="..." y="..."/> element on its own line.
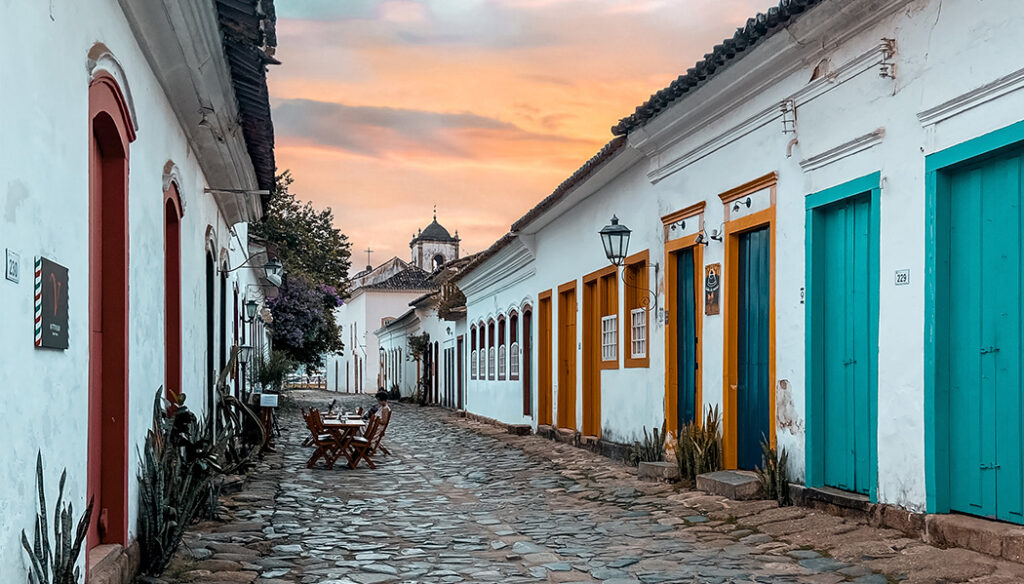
<point x="774" y="473"/>
<point x="182" y="465"/>
<point x="652" y="449"/>
<point x="699" y="446"/>
<point x="50" y="566"/>
<point x="175" y="479"/>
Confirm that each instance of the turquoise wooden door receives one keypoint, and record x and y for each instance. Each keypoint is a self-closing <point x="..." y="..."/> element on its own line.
<point x="841" y="283"/>
<point x="752" y="390"/>
<point x="983" y="338"/>
<point x="686" y="338"/>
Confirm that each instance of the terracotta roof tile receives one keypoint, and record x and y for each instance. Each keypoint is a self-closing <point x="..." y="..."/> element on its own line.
<point x="411" y="278"/>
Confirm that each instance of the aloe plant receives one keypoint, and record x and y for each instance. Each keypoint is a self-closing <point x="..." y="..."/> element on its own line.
<point x="48" y="565"/>
<point x="699" y="446"/>
<point x="774" y="473"/>
<point x="651" y="449"/>
<point x="182" y="465"/>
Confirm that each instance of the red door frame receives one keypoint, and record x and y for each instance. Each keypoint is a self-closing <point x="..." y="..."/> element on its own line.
<point x="110" y="133"/>
<point x="172" y="292"/>
<point x="461" y="343"/>
<point x="526" y="353"/>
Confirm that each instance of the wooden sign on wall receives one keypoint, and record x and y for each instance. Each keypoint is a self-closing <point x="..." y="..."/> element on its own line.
<point x="51" y="304"/>
<point x="712" y="288"/>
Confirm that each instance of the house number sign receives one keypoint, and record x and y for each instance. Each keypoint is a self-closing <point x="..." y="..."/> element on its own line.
<point x="13" y="267"/>
<point x="902" y="277"/>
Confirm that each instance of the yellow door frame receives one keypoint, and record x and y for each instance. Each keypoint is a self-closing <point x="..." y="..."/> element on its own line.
<point x="673" y="247"/>
<point x="732" y="229"/>
<point x="593" y="293"/>
<point x="567" y="353"/>
<point x="544" y="352"/>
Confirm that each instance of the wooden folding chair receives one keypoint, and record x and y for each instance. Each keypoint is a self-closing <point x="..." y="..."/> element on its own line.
<point x="308" y="440"/>
<point x="376" y="445"/>
<point x="360" y="445"/>
<point x="326" y="446"/>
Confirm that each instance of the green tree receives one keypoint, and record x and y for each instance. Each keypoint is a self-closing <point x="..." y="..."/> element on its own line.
<point x="308" y="243"/>
<point x="315" y="255"/>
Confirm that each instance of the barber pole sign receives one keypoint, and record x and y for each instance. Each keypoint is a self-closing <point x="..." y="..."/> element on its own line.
<point x="39" y="302"/>
<point x="51" y="305"/>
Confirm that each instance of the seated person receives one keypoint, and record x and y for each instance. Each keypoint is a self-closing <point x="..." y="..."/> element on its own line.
<point x="381" y="409"/>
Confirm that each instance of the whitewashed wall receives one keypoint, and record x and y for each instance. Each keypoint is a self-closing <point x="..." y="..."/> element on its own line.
<point x="44" y="210"/>
<point x="731" y="138"/>
<point x="490" y="294"/>
<point x="365" y="311"/>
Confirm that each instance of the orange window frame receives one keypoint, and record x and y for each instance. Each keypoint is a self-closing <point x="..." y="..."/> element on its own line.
<point x="636" y="280"/>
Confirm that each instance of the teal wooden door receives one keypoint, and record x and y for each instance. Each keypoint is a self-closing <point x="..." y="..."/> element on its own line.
<point x="842" y="281"/>
<point x="686" y="338"/>
<point x="983" y="338"/>
<point x="752" y="390"/>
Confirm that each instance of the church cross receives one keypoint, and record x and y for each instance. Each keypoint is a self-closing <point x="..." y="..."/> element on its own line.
<point x="368" y="252"/>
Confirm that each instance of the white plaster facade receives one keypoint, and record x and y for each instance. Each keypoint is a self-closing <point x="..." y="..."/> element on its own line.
<point x="45" y="210"/>
<point x="358" y="368"/>
<point x="897" y="80"/>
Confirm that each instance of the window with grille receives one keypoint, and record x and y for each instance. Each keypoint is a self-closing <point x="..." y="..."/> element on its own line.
<point x="638" y="333"/>
<point x="502" y="349"/>
<point x="609" y="338"/>
<point x="491" y="366"/>
<point x="513" y="339"/>
<point x="514" y="362"/>
<point x="472" y="352"/>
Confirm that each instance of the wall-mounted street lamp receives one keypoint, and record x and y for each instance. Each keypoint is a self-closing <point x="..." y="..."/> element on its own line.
<point x="251" y="306"/>
<point x="244" y="354"/>
<point x="273" y="267"/>
<point x="615" y="239"/>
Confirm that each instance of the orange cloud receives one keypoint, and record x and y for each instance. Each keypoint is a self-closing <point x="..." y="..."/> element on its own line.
<point x="384" y="108"/>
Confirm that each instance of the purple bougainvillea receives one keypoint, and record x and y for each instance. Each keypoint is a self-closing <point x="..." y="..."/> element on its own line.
<point x="303" y="325"/>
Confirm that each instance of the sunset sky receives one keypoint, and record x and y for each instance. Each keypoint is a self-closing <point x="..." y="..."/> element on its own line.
<point x="383" y="108"/>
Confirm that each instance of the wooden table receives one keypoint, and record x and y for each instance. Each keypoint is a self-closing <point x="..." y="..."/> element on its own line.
<point x="344" y="431"/>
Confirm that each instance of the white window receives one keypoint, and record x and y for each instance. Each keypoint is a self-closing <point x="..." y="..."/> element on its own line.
<point x="502" y="362"/>
<point x="472" y="365"/>
<point x="482" y="368"/>
<point x="491" y="363"/>
<point x="514" y="361"/>
<point x="609" y="338"/>
<point x="638" y="333"/>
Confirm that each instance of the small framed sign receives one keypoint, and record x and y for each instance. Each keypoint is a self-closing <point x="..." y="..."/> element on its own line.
<point x="12" y="269"/>
<point x="712" y="288"/>
<point x="51" y="304"/>
<point x="268" y="400"/>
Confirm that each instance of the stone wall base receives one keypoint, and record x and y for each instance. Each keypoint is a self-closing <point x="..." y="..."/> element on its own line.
<point x="113" y="564"/>
<point x="993" y="538"/>
<point x="517" y="429"/>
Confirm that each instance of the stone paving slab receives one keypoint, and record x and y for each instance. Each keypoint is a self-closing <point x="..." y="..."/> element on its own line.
<point x="462" y="501"/>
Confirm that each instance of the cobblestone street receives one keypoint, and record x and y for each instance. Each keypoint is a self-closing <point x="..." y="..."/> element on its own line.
<point x="459" y="501"/>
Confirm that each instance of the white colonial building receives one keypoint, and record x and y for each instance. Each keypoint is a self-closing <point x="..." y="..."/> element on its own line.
<point x="378" y="296"/>
<point x="137" y="146"/>
<point x="826" y="245"/>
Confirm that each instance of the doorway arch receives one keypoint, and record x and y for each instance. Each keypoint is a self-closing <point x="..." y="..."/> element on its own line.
<point x="110" y="133"/>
